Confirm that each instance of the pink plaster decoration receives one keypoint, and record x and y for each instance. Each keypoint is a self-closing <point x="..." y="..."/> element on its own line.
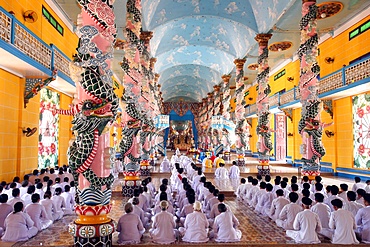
<point x="280" y="137"/>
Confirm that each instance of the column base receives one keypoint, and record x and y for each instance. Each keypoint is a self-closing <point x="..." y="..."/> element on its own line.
<point x="145" y="171"/>
<point x="129" y="186"/>
<point x="240" y="162"/>
<point x="263" y="170"/>
<point x="92" y="235"/>
<point x="310" y="174"/>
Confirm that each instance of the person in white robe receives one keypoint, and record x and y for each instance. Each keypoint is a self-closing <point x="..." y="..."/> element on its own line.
<point x="343" y="224"/>
<point x="26" y="198"/>
<point x="266" y="200"/>
<point x="140" y="212"/>
<point x="51" y="211"/>
<point x="251" y="192"/>
<point x="222" y="172"/>
<point x="165" y="165"/>
<point x="196" y="225"/>
<point x="306" y="225"/>
<point x="257" y="198"/>
<point x="323" y="211"/>
<point x="39" y="190"/>
<point x="69" y="201"/>
<point x="363" y="221"/>
<point x="225" y="226"/>
<point x="18" y="225"/>
<point x="186" y="210"/>
<point x="23" y="189"/>
<point x="241" y="190"/>
<point x="277" y="205"/>
<point x="234" y="171"/>
<point x="151" y="186"/>
<point x="5" y="210"/>
<point x="16" y="198"/>
<point x="130" y="227"/>
<point x="358" y="185"/>
<point x="351" y="204"/>
<point x="58" y="201"/>
<point x="289" y="212"/>
<point x="37" y="213"/>
<point x="334" y="195"/>
<point x="163" y="226"/>
<point x="367" y="188"/>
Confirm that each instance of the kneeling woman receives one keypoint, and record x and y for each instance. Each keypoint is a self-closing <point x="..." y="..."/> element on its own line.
<point x="19" y="226"/>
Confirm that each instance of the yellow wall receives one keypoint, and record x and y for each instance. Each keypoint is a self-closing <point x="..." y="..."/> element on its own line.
<point x="10" y="126"/>
<point x="291" y="70"/>
<point x="343" y="50"/>
<point x="18" y="153"/>
<point x="42" y="28"/>
<point x="253" y="140"/>
<point x="343" y="132"/>
<point x="297" y="137"/>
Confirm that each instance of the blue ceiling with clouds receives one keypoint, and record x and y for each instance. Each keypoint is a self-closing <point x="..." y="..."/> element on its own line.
<point x="196" y="42"/>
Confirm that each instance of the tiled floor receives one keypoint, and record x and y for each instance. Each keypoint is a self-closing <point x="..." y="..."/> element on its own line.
<point x="256" y="230"/>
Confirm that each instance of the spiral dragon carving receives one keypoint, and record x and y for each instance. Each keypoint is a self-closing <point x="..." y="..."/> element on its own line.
<point x="96" y="104"/>
<point x="310" y="126"/>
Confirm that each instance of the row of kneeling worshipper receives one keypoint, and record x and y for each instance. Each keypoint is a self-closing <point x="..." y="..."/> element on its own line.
<point x="306" y="209"/>
<point x="194" y="211"/>
<point x="26" y="208"/>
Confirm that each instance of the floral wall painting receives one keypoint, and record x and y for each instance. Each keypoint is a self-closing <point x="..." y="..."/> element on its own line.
<point x="361" y="130"/>
<point x="48" y="129"/>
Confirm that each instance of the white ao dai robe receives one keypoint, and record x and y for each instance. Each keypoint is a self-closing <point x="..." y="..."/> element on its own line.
<point x="163" y="228"/>
<point x="130" y="229"/>
<point x="306" y="225"/>
<point x="38" y="215"/>
<point x="196" y="228"/>
<point x="287" y="216"/>
<point x="224" y="228"/>
<point x="343" y="224"/>
<point x="363" y="223"/>
<point x="19" y="227"/>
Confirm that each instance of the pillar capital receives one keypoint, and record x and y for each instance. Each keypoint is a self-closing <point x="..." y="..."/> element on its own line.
<point x="263" y="38"/>
<point x="156" y="77"/>
<point x="146" y="36"/>
<point x="152" y="61"/>
<point x="307" y="1"/>
<point x="226" y="78"/>
<point x="209" y="95"/>
<point x="232" y="87"/>
<point x="217" y="88"/>
<point x="239" y="63"/>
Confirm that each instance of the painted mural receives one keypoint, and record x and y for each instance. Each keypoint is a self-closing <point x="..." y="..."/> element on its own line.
<point x="48" y="129"/>
<point x="361" y="130"/>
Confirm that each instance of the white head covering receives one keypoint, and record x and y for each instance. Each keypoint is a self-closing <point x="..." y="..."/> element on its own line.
<point x="197" y="206"/>
<point x="177" y="151"/>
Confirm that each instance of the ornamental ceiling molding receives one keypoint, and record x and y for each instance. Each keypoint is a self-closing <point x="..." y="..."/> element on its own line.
<point x="181" y="108"/>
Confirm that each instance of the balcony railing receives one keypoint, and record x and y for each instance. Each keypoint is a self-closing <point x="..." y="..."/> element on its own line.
<point x="354" y="73"/>
<point x="19" y="36"/>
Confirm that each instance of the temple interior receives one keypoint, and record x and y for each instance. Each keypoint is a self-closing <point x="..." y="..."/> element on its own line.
<point x="282" y="87"/>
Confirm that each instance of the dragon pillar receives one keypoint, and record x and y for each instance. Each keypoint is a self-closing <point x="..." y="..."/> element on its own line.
<point x="264" y="144"/>
<point x="310" y="126"/>
<point x="94" y="108"/>
<point x="241" y="142"/>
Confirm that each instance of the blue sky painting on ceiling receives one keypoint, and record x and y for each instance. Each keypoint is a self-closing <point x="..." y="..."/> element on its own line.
<point x="195" y="42"/>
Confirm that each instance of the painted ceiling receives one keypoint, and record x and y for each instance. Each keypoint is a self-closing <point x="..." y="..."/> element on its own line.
<point x="196" y="41"/>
